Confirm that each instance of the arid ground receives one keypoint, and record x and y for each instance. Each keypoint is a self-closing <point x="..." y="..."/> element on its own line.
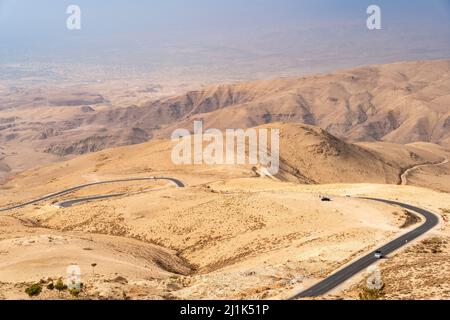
<point x="231" y="232"/>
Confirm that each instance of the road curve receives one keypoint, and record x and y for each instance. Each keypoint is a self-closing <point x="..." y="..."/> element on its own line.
<point x="70" y="203"/>
<point x="431" y="220"/>
<point x="176" y="182"/>
<point x="404" y="175"/>
<point x="324" y="286"/>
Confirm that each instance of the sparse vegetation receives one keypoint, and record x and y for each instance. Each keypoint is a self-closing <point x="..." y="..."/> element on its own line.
<point x="51" y="286"/>
<point x="371" y="294"/>
<point x="34" y="290"/>
<point x="75" y="292"/>
<point x="433" y="245"/>
<point x="60" y="286"/>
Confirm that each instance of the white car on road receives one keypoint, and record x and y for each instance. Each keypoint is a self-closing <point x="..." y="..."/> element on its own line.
<point x="378" y="254"/>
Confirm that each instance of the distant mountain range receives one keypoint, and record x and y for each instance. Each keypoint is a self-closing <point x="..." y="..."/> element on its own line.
<point x="401" y="103"/>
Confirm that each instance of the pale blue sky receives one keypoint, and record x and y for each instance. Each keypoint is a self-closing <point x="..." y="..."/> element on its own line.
<point x="192" y="32"/>
<point x="46" y="17"/>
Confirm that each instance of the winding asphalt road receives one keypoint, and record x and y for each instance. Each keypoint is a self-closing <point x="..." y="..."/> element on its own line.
<point x="431" y="220"/>
<point x="176" y="182"/>
<point x="70" y="203"/>
<point x="324" y="286"/>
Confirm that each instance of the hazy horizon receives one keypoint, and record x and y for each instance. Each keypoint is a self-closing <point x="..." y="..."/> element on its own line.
<point x="242" y="39"/>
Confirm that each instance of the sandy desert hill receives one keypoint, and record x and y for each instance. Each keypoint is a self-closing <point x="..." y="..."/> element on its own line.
<point x="173" y="243"/>
<point x="308" y="155"/>
<point x="402" y="103"/>
<point x="217" y="238"/>
<point x="4" y="171"/>
<point x="313" y="156"/>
